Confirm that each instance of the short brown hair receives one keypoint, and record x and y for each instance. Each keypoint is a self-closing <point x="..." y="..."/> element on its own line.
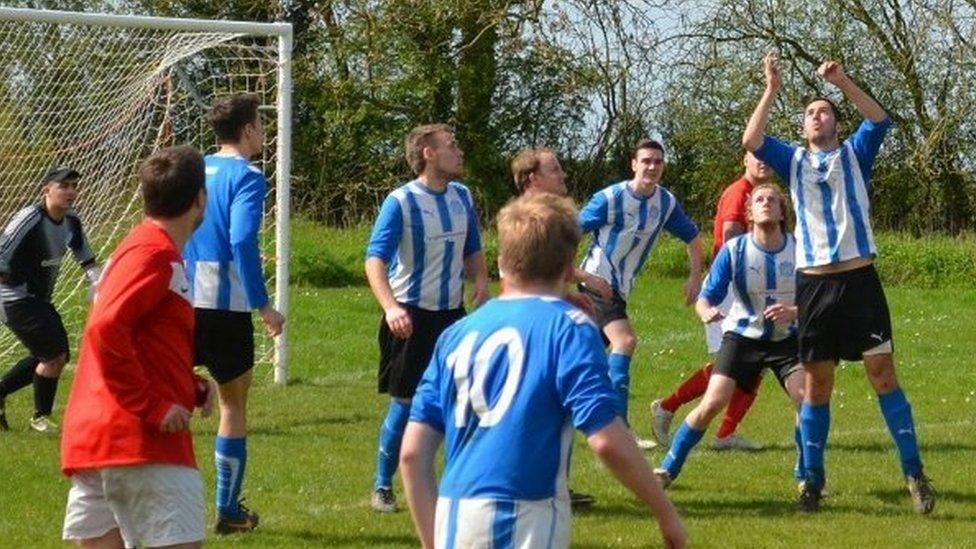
<point x="417" y="139"/>
<point x="170" y="180"/>
<point x="784" y="204"/>
<point x="537" y="237"/>
<point x="646" y="144"/>
<point x="526" y="163"/>
<point x="229" y="115"/>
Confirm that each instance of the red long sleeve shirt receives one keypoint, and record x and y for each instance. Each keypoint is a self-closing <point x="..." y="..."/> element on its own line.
<point x="136" y="360"/>
<point x="731" y="207"/>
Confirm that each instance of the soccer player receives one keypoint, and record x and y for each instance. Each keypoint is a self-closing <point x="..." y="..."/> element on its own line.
<point x="424" y="240"/>
<point x="223" y="262"/>
<point x="127" y="446"/>
<point x="843" y="313"/>
<point x="504" y="390"/>
<point x="759" y="328"/>
<point x="626" y="219"/>
<point x="31" y="249"/>
<point x="730" y="221"/>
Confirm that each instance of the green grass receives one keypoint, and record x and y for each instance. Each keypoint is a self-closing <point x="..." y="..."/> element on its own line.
<point x="312" y="443"/>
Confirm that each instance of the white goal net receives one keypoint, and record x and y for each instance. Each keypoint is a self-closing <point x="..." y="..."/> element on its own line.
<point x="99" y="93"/>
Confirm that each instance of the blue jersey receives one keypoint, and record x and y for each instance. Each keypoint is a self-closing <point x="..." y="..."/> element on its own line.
<point x="223" y="259"/>
<point x="625" y="227"/>
<point x="506" y="386"/>
<point x="758" y="278"/>
<point x="424" y="237"/>
<point x="831" y="194"/>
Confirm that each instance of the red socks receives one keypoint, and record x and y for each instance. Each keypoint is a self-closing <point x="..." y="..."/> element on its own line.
<point x="689" y="390"/>
<point x="737" y="409"/>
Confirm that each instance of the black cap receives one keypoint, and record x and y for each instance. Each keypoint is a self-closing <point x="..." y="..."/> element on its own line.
<point x="60" y="173"/>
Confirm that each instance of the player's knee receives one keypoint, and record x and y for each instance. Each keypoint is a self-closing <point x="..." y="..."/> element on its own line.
<point x="883" y="380"/>
<point x="52" y="367"/>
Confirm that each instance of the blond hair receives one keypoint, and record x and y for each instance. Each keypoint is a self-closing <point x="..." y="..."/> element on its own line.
<point x="526" y="163"/>
<point x="786" y="208"/>
<point x="537" y="237"/>
<point x="419" y="138"/>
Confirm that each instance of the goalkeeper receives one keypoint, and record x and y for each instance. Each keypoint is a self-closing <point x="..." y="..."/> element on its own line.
<point x="31" y="249"/>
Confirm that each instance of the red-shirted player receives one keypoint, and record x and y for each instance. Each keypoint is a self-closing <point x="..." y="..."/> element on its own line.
<point x="126" y="443"/>
<point x="730" y="221"/>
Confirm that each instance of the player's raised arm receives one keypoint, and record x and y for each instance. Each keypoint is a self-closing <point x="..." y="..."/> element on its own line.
<point x="752" y="139"/>
<point x="615" y="447"/>
<point x="833" y="72"/>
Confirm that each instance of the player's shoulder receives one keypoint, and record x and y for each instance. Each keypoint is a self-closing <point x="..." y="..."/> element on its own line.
<point x="736" y="241"/>
<point x="28" y="215"/>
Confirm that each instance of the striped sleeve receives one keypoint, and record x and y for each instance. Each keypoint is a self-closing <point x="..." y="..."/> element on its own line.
<point x="78" y="243"/>
<point x="595" y="214"/>
<point x="246" y="213"/>
<point x="778" y="155"/>
<point x="387" y="230"/>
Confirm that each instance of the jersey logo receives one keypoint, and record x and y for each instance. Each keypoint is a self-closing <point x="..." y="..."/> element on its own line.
<point x="179" y="283"/>
<point x="52" y="262"/>
<point x="786" y="269"/>
<point x="653" y="212"/>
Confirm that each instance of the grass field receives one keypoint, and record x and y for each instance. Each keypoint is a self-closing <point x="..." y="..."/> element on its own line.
<point x="312" y="443"/>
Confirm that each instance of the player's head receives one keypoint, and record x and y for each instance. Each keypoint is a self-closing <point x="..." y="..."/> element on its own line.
<point x="432" y="149"/>
<point x="821" y="122"/>
<point x="60" y="187"/>
<point x="236" y="121"/>
<point x="172" y="182"/>
<point x="537" y="170"/>
<point x="647" y="161"/>
<point x="537" y="238"/>
<point x="768" y="204"/>
<point x="757" y="171"/>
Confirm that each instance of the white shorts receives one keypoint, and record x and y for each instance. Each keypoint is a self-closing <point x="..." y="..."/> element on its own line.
<point x="151" y="505"/>
<point x="713" y="331"/>
<point x="522" y="524"/>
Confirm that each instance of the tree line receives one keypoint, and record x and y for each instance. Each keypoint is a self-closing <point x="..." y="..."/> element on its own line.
<point x="590" y="77"/>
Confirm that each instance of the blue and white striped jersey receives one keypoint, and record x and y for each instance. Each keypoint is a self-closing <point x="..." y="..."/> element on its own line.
<point x="506" y="386"/>
<point x="831" y="194"/>
<point x="625" y="227"/>
<point x="424" y="236"/>
<point x="223" y="259"/>
<point x="758" y="278"/>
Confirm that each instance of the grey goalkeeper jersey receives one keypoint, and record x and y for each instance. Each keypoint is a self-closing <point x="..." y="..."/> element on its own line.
<point x="31" y="249"/>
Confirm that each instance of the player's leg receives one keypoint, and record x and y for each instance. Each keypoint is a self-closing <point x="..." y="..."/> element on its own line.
<point x="726" y="437"/>
<point x="42" y="332"/>
<point x="225" y="345"/>
<point x="663" y="410"/>
<point x="88" y="519"/>
<point x="19" y="376"/>
<point x="46" y="377"/>
<point x="690" y="432"/>
<point x="623" y="342"/>
<point x="814" y="428"/>
<point x="156" y="505"/>
<point x="110" y="540"/>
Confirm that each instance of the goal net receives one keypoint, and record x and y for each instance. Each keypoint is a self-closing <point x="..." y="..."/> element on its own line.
<point x="99" y="93"/>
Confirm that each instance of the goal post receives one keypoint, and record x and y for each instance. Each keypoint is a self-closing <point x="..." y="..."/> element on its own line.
<point x="100" y="92"/>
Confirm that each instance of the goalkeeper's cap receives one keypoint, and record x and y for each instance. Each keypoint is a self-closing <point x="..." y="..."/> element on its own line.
<point x="60" y="173"/>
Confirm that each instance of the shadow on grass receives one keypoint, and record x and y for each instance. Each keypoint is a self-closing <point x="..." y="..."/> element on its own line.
<point x="289" y="428"/>
<point x="899" y="496"/>
<point x="885" y="446"/>
<point x="334" y="539"/>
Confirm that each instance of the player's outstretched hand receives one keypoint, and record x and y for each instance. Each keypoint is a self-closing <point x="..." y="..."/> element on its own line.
<point x="274" y="321"/>
<point x="832" y="72"/>
<point x="774" y="80"/>
<point x="177" y="418"/>
<point x="598" y="285"/>
<point x="779" y="313"/>
<point x="398" y="319"/>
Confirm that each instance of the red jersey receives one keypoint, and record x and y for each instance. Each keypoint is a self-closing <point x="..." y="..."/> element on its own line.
<point x="136" y="360"/>
<point x="731" y="207"/>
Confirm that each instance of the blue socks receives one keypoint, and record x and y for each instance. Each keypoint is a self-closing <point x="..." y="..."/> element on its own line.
<point x="620" y="380"/>
<point x="391" y="435"/>
<point x="799" y="470"/>
<point x="897" y="413"/>
<point x="814" y="426"/>
<point x="684" y="440"/>
<point x="230" y="458"/>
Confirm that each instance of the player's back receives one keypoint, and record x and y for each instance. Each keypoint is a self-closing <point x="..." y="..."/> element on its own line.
<point x="507" y="385"/>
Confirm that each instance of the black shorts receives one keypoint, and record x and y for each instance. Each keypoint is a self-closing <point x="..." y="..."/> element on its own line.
<point x="37" y="325"/>
<point x="224" y="343"/>
<point x="606" y="310"/>
<point x="841" y="315"/>
<point x="403" y="361"/>
<point x="743" y="359"/>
